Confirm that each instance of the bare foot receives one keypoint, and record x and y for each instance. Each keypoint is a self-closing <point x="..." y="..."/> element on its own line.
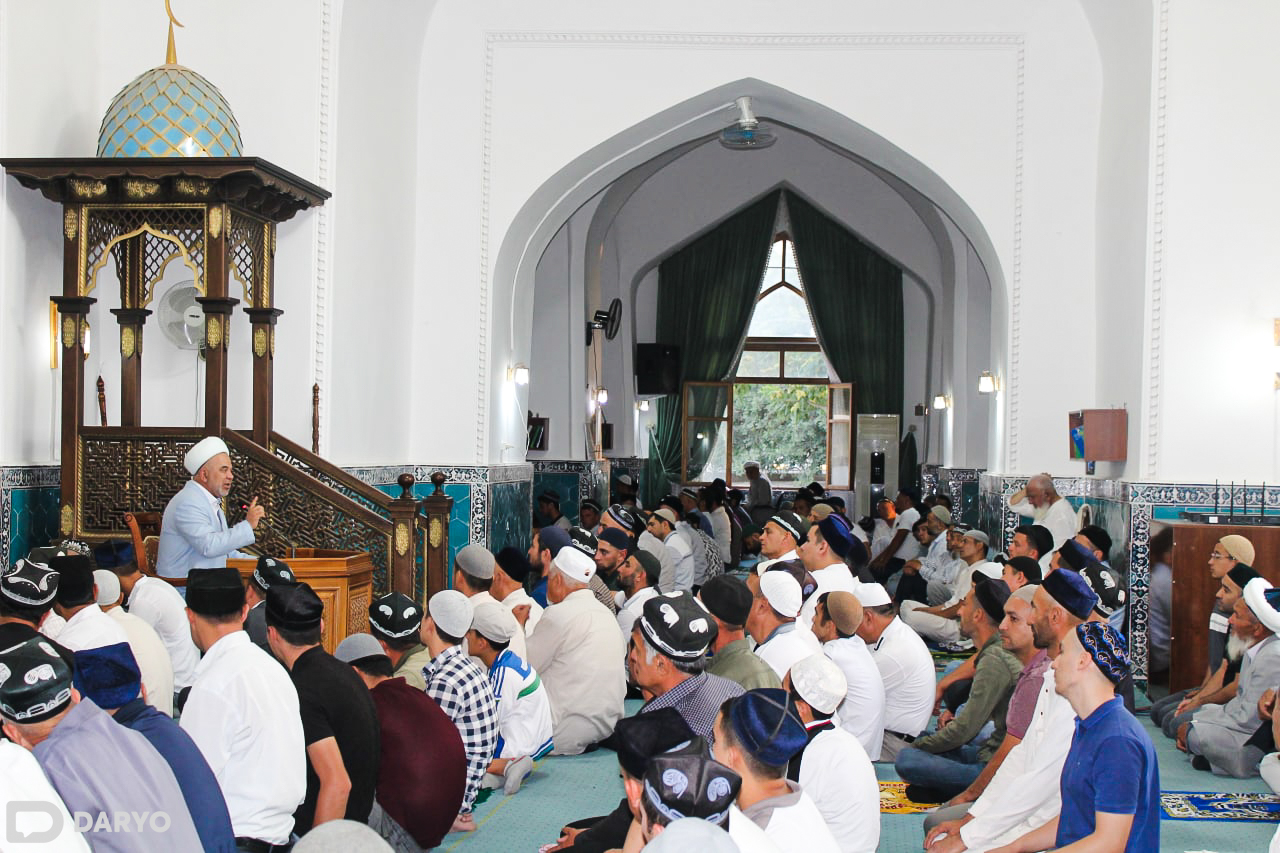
<point x="463" y="823"/>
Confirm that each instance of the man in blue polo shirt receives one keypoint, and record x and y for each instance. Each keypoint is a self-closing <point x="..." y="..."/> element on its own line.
<point x="1110" y="781"/>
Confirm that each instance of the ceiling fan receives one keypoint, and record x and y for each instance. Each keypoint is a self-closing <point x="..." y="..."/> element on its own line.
<point x="746" y="134"/>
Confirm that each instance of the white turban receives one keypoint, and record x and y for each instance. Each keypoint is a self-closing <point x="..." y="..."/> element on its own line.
<point x="202" y="451"/>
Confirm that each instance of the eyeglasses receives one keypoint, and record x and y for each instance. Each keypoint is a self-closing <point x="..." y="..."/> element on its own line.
<point x="1216" y="556"/>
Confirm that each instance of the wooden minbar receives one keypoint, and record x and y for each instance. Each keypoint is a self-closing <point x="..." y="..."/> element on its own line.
<point x="342" y="579"/>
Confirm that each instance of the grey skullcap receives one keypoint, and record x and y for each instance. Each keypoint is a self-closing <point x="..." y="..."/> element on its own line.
<point x="358" y="647"/>
<point x="494" y="622"/>
<point x="451" y="611"/>
<point x="941" y="513"/>
<point x="475" y="560"/>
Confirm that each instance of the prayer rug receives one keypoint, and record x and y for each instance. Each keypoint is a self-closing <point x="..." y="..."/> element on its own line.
<point x="1208" y="805"/>
<point x="893" y="800"/>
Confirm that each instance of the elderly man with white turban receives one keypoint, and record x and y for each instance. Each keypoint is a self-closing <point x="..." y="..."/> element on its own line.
<point x="195" y="533"/>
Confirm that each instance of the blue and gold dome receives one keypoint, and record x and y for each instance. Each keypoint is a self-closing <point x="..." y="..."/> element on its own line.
<point x="170" y="111"/>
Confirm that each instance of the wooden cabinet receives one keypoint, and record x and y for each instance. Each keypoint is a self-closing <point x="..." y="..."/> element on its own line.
<point x="1194" y="588"/>
<point x="1099" y="435"/>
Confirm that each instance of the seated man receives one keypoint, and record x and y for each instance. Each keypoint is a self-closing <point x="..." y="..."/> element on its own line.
<point x="339" y="720"/>
<point x="682" y="786"/>
<point x="1033" y="541"/>
<point x="833" y="768"/>
<point x="508" y="587"/>
<point x="780" y="639"/>
<point x="111" y="678"/>
<point x="668" y="658"/>
<point x="861" y="711"/>
<point x="76" y="601"/>
<point x="1020" y="571"/>
<point x="940" y="765"/>
<point x="524" y="710"/>
<point x="267" y="573"/>
<point x="26" y="603"/>
<point x="1218" y="734"/>
<point x="395" y="621"/>
<point x="1110" y="782"/>
<point x="905" y="665"/>
<point x="822" y="552"/>
<point x="462" y="688"/>
<point x="579" y="653"/>
<point x="638" y="578"/>
<point x="473" y="571"/>
<point x="416" y="798"/>
<point x="160" y="605"/>
<point x="780" y="536"/>
<point x="662" y="525"/>
<point x="911" y="585"/>
<point x="728" y="599"/>
<point x="148" y="651"/>
<point x="95" y="765"/>
<point x="942" y="624"/>
<point x="757" y="734"/>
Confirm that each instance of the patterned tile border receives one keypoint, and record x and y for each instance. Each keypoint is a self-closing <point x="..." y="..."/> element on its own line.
<point x="20" y="477"/>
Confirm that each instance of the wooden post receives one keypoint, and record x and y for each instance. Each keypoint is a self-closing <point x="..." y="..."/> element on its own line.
<point x="74" y="311"/>
<point x="217" y="320"/>
<point x="435" y="561"/>
<point x="315" y="418"/>
<point x="403" y="553"/>
<point x="263" y="323"/>
<point x="131" y="321"/>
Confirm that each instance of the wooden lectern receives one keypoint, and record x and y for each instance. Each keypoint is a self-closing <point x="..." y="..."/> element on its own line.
<point x="342" y="579"/>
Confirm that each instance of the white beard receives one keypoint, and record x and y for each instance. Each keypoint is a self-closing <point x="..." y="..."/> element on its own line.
<point x="1236" y="647"/>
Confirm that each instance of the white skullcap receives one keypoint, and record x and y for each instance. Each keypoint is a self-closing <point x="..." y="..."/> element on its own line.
<point x="108" y="587"/>
<point x="494" y="622"/>
<point x="451" y="611"/>
<point x="751" y="463"/>
<point x="819" y="682"/>
<point x="995" y="571"/>
<point x="872" y="595"/>
<point x="783" y="592"/>
<point x="666" y="514"/>
<point x="575" y="564"/>
<point x="202" y="451"/>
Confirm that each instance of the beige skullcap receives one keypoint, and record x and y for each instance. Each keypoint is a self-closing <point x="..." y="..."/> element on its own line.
<point x="1238" y="547"/>
<point x="844" y="609"/>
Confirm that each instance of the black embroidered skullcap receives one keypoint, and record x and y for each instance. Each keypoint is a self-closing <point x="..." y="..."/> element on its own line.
<point x="625" y="517"/>
<point x="677" y="625"/>
<point x="294" y="607"/>
<point x="837" y="534"/>
<point x="808" y="583"/>
<point x="590" y="504"/>
<point x="1105" y="584"/>
<point x="75" y="579"/>
<point x="29" y="585"/>
<point x="767" y="726"/>
<point x="1029" y="568"/>
<point x="1071" y="591"/>
<point x="790" y="523"/>
<point x="584" y="540"/>
<point x="1107" y="647"/>
<point x="639" y="738"/>
<point x="728" y="598"/>
<point x="691" y="786"/>
<point x="550" y="495"/>
<point x="991" y="595"/>
<point x="617" y="538"/>
<point x="269" y="572"/>
<point x="475" y="560"/>
<point x="35" y="682"/>
<point x="394" y="616"/>
<point x="515" y="563"/>
<point x="215" y="592"/>
<point x="1242" y="573"/>
<point x="109" y="675"/>
<point x="1074" y="555"/>
<point x="552" y="539"/>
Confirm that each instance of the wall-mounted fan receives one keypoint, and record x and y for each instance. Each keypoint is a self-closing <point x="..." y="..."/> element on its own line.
<point x="610" y="321"/>
<point x="180" y="316"/>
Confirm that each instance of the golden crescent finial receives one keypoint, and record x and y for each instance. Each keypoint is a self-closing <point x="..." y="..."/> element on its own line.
<point x="171" y="54"/>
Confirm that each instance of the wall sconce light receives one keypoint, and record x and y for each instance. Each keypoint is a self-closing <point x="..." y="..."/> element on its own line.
<point x="518" y="374"/>
<point x="643" y="405"/>
<point x="602" y="396"/>
<point x="85" y="338"/>
<point x="939" y="402"/>
<point x="987" y="383"/>
<point x="701" y="437"/>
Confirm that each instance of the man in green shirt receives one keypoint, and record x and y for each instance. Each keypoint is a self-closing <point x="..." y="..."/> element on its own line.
<point x="728" y="600"/>
<point x="395" y="621"/>
<point x="944" y="763"/>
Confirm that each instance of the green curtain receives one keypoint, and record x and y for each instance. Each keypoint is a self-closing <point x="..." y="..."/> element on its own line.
<point x="706" y="293"/>
<point x="855" y="295"/>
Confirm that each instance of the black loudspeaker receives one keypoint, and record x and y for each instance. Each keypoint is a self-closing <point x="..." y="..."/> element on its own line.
<point x="657" y="369"/>
<point x="877" y="468"/>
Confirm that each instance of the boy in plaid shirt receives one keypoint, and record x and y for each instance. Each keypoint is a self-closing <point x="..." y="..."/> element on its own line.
<point x="461" y="687"/>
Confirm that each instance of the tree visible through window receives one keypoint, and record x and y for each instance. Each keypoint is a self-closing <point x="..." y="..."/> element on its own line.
<point x="776" y="408"/>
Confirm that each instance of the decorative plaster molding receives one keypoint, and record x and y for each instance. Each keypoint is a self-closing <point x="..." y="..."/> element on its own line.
<point x="1151" y="413"/>
<point x="921" y="41"/>
<point x="30" y="477"/>
<point x="321" y="356"/>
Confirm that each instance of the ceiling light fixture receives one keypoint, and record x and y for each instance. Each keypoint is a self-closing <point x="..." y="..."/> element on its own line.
<point x="746" y="134"/>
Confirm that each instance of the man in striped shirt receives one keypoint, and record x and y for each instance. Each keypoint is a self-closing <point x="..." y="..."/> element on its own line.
<point x="524" y="708"/>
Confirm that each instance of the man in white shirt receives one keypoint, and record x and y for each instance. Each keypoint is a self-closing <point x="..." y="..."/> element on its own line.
<point x="243" y="712"/>
<point x="942" y="623"/>
<point x="508" y="587"/>
<point x="833" y="768"/>
<point x="638" y="577"/>
<point x="780" y="537"/>
<point x="76" y="601"/>
<point x="905" y="665"/>
<point x="579" y="654"/>
<point x="780" y="641"/>
<point x="22" y="779"/>
<point x="473" y="571"/>
<point x="662" y="526"/>
<point x="756" y="735"/>
<point x="628" y="521"/>
<point x="160" y="605"/>
<point x="148" y="650"/>
<point x="902" y="546"/>
<point x="759" y="494"/>
<point x="861" y="713"/>
<point x="822" y="552"/>
<point x="1040" y="500"/>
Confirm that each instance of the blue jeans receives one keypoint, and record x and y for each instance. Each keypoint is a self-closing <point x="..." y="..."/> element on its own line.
<point x="950" y="772"/>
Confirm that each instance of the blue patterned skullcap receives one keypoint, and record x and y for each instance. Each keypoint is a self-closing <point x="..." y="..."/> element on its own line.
<point x="1107" y="647"/>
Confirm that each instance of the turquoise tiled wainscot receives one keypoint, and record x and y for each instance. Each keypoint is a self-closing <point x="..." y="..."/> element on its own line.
<point x="574" y="481"/>
<point x="28" y="509"/>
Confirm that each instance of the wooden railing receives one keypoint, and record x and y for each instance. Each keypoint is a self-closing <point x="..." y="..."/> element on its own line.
<point x="309" y="502"/>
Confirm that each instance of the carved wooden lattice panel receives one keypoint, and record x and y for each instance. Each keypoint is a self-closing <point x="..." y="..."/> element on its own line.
<point x="245" y="243"/>
<point x="309" y="521"/>
<point x="182" y="226"/>
<point x="119" y="475"/>
<point x="284" y="456"/>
